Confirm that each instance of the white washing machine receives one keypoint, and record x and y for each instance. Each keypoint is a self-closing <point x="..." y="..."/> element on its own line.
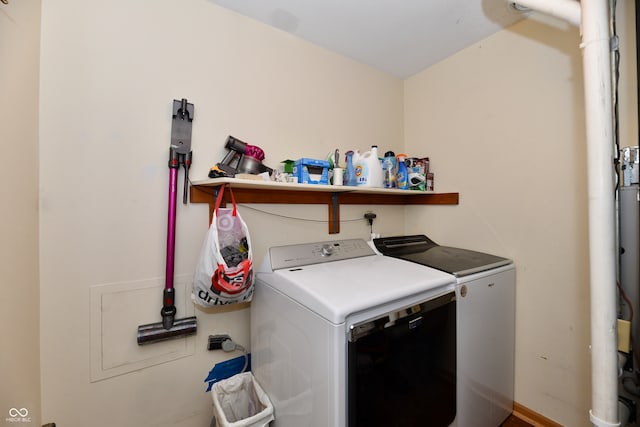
<point x="485" y="291"/>
<point x="344" y="337"/>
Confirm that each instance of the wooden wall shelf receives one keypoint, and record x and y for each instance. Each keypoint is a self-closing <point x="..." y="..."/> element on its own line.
<point x="254" y="191"/>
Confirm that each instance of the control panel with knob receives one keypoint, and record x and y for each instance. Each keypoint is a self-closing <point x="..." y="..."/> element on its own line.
<point x="327" y="250"/>
<point x="293" y="256"/>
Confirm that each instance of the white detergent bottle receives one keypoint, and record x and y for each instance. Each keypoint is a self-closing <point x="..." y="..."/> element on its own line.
<point x="369" y="169"/>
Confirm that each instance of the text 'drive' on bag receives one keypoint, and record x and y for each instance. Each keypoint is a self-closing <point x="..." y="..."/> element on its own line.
<point x="224" y="273"/>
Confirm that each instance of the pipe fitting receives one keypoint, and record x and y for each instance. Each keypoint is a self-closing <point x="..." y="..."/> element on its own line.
<point x="568" y="10"/>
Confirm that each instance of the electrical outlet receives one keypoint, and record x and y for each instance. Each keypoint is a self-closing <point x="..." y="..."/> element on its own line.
<point x="215" y="341"/>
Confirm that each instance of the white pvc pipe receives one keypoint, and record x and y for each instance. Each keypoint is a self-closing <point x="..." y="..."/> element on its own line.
<point x="568" y="10"/>
<point x="596" y="64"/>
<point x="593" y="16"/>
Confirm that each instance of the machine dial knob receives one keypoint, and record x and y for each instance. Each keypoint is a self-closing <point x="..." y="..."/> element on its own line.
<point x="327" y="250"/>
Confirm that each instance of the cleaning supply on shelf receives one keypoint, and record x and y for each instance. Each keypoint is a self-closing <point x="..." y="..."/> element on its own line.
<point x="336" y="172"/>
<point x="430" y="186"/>
<point x="311" y="171"/>
<point x="350" y="172"/>
<point x="338" y="176"/>
<point x="402" y="181"/>
<point x="417" y="169"/>
<point x="368" y="168"/>
<point x="389" y="170"/>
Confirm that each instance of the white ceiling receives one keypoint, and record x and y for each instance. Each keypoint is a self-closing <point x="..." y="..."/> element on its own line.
<point x="400" y="37"/>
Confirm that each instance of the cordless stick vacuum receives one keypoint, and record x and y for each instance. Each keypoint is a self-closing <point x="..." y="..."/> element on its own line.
<point x="179" y="154"/>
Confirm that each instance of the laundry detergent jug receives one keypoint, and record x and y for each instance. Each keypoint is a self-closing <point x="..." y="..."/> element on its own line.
<point x="368" y="168"/>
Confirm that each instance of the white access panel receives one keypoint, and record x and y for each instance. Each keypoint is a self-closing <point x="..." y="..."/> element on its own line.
<point x="116" y="311"/>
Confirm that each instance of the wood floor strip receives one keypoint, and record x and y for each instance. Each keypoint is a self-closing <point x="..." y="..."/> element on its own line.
<point x="532" y="417"/>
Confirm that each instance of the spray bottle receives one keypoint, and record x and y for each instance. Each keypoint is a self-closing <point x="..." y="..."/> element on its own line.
<point x="402" y="181"/>
<point x="350" y="173"/>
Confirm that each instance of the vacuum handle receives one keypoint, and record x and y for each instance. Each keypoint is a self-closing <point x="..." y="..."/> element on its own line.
<point x="187" y="165"/>
<point x="171" y="227"/>
<point x="168" y="310"/>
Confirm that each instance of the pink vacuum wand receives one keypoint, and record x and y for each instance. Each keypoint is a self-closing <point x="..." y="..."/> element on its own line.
<point x="179" y="154"/>
<point x="168" y="311"/>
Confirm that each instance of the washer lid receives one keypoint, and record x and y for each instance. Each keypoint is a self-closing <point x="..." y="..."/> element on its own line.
<point x="422" y="250"/>
<point x="337" y="289"/>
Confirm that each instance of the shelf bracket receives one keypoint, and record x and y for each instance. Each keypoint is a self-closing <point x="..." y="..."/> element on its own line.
<point x="334" y="214"/>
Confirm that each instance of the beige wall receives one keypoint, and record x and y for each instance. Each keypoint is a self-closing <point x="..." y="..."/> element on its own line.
<point x="19" y="305"/>
<point x="503" y="122"/>
<point x="110" y="71"/>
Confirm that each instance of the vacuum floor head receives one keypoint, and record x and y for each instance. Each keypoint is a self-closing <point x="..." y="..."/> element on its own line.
<point x="154" y="332"/>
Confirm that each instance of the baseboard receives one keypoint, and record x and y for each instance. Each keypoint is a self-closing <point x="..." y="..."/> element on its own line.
<point x="532" y="417"/>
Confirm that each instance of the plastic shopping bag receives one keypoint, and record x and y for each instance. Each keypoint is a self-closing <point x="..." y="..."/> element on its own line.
<point x="224" y="273"/>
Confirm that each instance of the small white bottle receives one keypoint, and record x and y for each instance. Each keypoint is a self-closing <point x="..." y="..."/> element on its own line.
<point x="377" y="177"/>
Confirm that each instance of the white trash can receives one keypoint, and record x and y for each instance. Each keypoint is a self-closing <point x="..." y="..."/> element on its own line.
<point x="239" y="401"/>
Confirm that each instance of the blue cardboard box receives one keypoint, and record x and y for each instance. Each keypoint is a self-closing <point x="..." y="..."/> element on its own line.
<point x="311" y="171"/>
